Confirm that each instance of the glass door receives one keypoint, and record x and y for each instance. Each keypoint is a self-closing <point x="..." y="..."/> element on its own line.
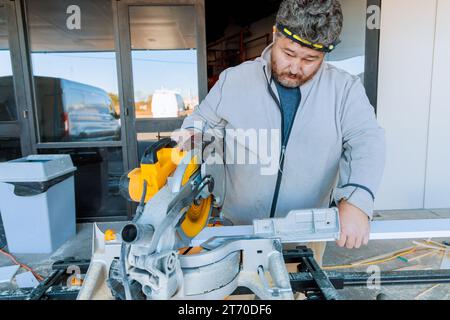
<point x="165" y="54"/>
<point x="76" y="98"/>
<point x="164" y="66"/>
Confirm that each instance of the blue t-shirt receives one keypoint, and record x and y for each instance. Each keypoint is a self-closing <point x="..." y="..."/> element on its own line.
<point x="290" y="101"/>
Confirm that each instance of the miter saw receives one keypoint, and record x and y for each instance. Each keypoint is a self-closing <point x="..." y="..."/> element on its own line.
<point x="178" y="192"/>
<point x="173" y="248"/>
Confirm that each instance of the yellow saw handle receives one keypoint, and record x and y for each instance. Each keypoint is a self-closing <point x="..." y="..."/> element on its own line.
<point x="158" y="162"/>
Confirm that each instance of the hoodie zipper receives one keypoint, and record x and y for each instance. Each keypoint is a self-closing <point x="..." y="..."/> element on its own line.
<point x="285" y="140"/>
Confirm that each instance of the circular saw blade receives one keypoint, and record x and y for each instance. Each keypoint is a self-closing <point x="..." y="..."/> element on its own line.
<point x="197" y="215"/>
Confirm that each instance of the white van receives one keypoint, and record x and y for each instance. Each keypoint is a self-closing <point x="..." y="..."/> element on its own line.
<point x="167" y="104"/>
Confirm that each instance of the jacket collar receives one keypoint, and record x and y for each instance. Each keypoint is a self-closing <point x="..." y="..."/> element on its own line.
<point x="265" y="59"/>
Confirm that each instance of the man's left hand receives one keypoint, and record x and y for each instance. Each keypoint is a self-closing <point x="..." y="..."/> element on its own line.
<point x="355" y="226"/>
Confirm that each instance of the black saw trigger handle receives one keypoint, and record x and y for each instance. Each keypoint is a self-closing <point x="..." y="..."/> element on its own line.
<point x="150" y="155"/>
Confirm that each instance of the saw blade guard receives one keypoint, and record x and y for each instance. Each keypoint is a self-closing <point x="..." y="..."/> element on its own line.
<point x="164" y="164"/>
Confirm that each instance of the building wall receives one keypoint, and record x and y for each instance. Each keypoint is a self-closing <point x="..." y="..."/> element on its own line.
<point x="413" y="103"/>
<point x="437" y="183"/>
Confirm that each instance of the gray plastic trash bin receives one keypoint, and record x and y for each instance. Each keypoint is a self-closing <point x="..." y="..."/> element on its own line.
<point x="37" y="202"/>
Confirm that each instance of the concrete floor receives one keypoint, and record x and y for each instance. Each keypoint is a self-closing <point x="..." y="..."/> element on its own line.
<point x="80" y="247"/>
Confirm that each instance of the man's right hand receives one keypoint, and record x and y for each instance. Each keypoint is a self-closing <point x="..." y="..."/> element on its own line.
<point x="355" y="226"/>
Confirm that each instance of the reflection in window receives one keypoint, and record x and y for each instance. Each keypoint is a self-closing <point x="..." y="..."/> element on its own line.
<point x="74" y="70"/>
<point x="8" y="110"/>
<point x="164" y="57"/>
<point x="96" y="181"/>
<point x="9" y="147"/>
<point x="165" y="83"/>
<point x="76" y="94"/>
<point x="350" y="54"/>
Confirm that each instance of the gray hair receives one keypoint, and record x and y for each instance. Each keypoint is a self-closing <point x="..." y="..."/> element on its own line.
<point x="318" y="21"/>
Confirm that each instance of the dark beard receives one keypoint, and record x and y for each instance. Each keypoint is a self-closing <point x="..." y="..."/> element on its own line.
<point x="299" y="81"/>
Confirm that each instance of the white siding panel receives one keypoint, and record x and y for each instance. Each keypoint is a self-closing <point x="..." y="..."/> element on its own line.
<point x="437" y="188"/>
<point x="404" y="89"/>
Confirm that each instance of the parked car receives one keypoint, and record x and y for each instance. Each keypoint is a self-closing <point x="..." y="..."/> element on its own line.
<point x="167" y="104"/>
<point x="8" y="111"/>
<point x="68" y="110"/>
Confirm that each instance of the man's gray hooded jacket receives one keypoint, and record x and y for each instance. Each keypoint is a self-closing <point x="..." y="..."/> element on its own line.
<point x="335" y="148"/>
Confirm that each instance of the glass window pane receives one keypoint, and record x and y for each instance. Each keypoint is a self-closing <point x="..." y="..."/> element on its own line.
<point x="3" y="30"/>
<point x="96" y="181"/>
<point x="8" y="111"/>
<point x="74" y="66"/>
<point x="350" y="53"/>
<point x="164" y="57"/>
<point x="9" y="149"/>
